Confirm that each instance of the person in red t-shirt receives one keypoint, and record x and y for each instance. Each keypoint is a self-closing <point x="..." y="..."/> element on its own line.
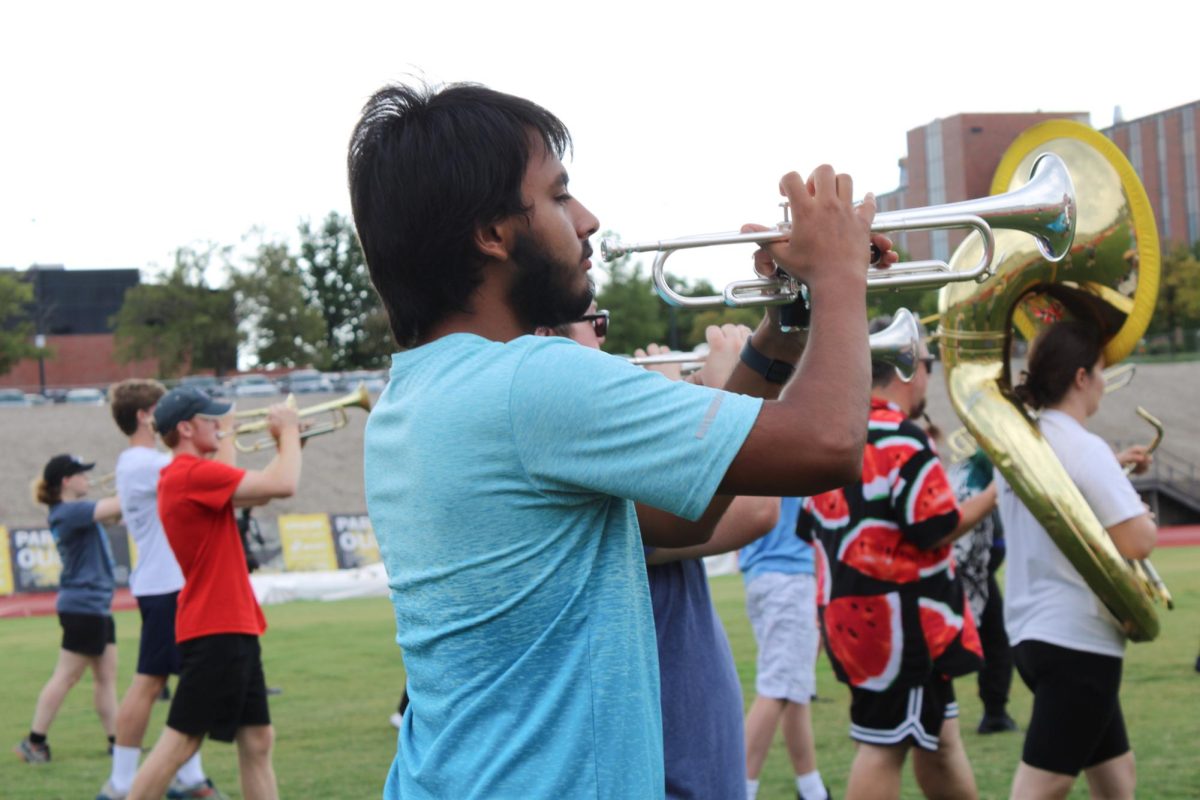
<point x="221" y="692"/>
<point x="893" y="611"/>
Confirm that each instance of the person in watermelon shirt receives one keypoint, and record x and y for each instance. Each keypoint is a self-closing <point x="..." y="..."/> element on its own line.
<point x="893" y="612"/>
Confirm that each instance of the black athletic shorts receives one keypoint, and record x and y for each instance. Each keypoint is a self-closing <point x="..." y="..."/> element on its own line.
<point x="221" y="687"/>
<point x="916" y="713"/>
<point x="158" y="655"/>
<point x="87" y="634"/>
<point x="1077" y="721"/>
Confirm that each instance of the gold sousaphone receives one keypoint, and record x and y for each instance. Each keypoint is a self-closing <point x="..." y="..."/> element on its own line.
<point x="1113" y="264"/>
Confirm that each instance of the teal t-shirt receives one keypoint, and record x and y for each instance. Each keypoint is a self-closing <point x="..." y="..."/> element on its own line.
<point x="500" y="480"/>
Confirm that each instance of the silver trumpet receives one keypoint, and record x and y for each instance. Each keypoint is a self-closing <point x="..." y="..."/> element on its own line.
<point x="1044" y="208"/>
<point x="899" y="345"/>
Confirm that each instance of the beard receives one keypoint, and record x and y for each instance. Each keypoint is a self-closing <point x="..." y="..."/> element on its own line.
<point x="542" y="292"/>
<point x="918" y="409"/>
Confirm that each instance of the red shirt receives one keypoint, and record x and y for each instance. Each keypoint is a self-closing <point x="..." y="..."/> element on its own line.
<point x="195" y="503"/>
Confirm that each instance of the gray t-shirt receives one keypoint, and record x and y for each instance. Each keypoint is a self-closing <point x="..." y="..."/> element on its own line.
<point x="86" y="583"/>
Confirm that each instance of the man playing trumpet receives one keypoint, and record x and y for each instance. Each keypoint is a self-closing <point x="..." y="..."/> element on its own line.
<point x="221" y="692"/>
<point x="502" y="468"/>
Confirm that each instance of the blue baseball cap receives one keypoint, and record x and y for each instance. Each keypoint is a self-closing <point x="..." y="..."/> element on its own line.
<point x="183" y="403"/>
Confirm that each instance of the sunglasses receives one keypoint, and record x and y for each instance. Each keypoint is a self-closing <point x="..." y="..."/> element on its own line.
<point x="599" y="322"/>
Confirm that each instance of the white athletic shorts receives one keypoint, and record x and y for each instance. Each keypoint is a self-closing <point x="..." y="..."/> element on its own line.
<point x="783" y="613"/>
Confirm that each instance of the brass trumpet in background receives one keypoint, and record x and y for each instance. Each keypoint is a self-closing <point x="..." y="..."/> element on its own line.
<point x="359" y="398"/>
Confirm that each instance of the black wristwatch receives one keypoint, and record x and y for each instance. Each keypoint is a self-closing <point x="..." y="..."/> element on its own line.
<point x="772" y="370"/>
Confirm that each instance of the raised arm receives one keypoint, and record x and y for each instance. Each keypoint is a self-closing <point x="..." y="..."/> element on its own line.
<point x="281" y="477"/>
<point x="107" y="509"/>
<point x="811" y="439"/>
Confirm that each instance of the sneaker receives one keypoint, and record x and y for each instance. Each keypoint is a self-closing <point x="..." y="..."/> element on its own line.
<point x="205" y="789"/>
<point x="996" y="723"/>
<point x="32" y="753"/>
<point x="109" y="793"/>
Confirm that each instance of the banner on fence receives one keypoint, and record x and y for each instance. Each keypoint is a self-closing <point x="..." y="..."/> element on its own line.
<point x="355" y="540"/>
<point x="6" y="575"/>
<point x="307" y="542"/>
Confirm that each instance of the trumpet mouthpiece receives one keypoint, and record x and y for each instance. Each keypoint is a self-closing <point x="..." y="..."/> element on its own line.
<point x="611" y="248"/>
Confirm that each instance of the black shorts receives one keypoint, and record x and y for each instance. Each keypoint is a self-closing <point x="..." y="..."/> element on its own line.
<point x="221" y="687"/>
<point x="916" y="713"/>
<point x="87" y="634"/>
<point x="158" y="655"/>
<point x="1077" y="721"/>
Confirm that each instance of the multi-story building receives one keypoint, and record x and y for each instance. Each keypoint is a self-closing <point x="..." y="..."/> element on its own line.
<point x="955" y="158"/>
<point x="1162" y="148"/>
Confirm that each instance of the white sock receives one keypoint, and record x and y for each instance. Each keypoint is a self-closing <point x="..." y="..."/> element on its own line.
<point x="191" y="772"/>
<point x="751" y="789"/>
<point x="810" y="786"/>
<point x="125" y="761"/>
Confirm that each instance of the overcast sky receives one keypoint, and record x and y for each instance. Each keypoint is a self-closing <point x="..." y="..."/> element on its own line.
<point x="127" y="130"/>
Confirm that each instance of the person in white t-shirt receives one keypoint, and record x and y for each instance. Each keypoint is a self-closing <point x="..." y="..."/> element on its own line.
<point x="155" y="583"/>
<point x="1066" y="645"/>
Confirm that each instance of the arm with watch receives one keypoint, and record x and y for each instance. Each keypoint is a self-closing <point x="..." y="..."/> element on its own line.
<point x="810" y="434"/>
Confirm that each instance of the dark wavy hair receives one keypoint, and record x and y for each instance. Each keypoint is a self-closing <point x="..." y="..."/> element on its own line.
<point x="1055" y="357"/>
<point x="427" y="168"/>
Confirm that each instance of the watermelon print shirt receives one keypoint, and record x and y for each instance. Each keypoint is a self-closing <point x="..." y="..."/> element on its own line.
<point x="892" y="608"/>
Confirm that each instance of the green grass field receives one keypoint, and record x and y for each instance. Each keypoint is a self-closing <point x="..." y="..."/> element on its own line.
<point x="341" y="676"/>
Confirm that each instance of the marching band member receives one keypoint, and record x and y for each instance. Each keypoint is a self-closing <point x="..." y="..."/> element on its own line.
<point x="155" y="583"/>
<point x="502" y="468"/>
<point x="893" y="613"/>
<point x="221" y="692"/>
<point x="1067" y="647"/>
<point x="84" y="604"/>
<point x="781" y="602"/>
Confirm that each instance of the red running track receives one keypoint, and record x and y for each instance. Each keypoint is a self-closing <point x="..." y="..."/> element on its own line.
<point x="42" y="603"/>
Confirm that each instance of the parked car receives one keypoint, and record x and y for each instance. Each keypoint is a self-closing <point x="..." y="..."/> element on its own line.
<point x="305" y="381"/>
<point x="13" y="398"/>
<point x="86" y="397"/>
<point x="374" y="380"/>
<point x="207" y="383"/>
<point x="36" y="399"/>
<point x="253" y="386"/>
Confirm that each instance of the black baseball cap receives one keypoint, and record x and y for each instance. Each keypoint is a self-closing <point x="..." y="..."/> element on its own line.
<point x="183" y="403"/>
<point x="63" y="466"/>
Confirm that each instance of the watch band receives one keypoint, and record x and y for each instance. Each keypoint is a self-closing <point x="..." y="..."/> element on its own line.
<point x="772" y="370"/>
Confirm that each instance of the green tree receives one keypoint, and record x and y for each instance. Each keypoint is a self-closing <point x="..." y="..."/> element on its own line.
<point x="698" y="321"/>
<point x="16" y="327"/>
<point x="638" y="316"/>
<point x="278" y="323"/>
<point x="1178" y="303"/>
<point x="180" y="320"/>
<point x="337" y="283"/>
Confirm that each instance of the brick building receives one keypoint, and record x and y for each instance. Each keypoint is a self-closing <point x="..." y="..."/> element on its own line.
<point x="955" y="158"/>
<point x="71" y="311"/>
